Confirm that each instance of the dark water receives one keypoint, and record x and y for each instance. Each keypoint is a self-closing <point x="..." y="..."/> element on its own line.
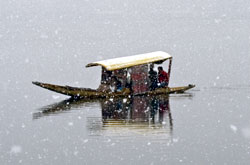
<point x="52" y="41"/>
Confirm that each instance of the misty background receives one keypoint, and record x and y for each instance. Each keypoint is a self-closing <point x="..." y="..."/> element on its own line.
<point x="52" y="41"/>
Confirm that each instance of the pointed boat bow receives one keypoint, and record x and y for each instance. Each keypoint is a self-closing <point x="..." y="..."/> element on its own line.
<point x="70" y="91"/>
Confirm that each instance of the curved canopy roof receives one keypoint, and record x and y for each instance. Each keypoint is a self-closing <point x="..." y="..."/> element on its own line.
<point x="125" y="62"/>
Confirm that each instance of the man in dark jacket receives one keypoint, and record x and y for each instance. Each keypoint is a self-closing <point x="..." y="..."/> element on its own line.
<point x="152" y="78"/>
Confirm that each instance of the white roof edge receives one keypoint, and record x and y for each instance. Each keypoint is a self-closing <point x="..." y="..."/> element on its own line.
<point x="124" y="62"/>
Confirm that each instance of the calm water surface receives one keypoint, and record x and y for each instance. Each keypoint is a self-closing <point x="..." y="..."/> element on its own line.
<point x="53" y="41"/>
<point x="206" y="126"/>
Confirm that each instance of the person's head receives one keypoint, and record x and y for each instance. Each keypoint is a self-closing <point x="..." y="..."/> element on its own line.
<point x="160" y="68"/>
<point x="151" y="66"/>
<point x="113" y="80"/>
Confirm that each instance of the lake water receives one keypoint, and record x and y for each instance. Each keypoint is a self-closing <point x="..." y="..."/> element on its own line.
<point x="52" y="41"/>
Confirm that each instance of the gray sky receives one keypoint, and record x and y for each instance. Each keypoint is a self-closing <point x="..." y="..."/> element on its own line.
<point x="52" y="41"/>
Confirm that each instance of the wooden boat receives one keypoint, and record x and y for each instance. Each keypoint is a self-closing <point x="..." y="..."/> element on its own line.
<point x="112" y="66"/>
<point x="93" y="93"/>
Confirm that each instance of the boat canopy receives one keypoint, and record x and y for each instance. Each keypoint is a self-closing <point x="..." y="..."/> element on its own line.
<point x="129" y="61"/>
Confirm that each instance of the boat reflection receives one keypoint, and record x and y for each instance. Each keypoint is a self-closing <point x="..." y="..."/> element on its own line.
<point x="152" y="110"/>
<point x="63" y="107"/>
<point x="146" y="116"/>
<point x="140" y="115"/>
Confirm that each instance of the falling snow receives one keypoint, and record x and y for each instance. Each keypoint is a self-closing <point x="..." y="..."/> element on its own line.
<point x="233" y="128"/>
<point x="16" y="149"/>
<point x="52" y="41"/>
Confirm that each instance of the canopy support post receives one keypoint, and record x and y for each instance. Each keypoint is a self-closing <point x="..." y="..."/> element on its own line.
<point x="169" y="69"/>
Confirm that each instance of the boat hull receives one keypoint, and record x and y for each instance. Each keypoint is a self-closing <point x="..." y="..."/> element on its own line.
<point x="93" y="93"/>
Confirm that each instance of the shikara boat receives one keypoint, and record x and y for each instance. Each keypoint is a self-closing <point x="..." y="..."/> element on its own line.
<point x="133" y="69"/>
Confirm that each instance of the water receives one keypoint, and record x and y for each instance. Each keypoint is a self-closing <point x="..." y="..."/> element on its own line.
<point x="209" y="41"/>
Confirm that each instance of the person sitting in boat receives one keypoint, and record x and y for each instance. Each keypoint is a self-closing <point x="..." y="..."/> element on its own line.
<point x="162" y="77"/>
<point x="116" y="85"/>
<point x="152" y="77"/>
<point x="105" y="81"/>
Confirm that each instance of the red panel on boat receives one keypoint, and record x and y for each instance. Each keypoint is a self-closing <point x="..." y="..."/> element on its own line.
<point x="139" y="77"/>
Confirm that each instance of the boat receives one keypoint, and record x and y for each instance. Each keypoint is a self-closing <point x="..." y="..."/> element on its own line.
<point x="132" y="69"/>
